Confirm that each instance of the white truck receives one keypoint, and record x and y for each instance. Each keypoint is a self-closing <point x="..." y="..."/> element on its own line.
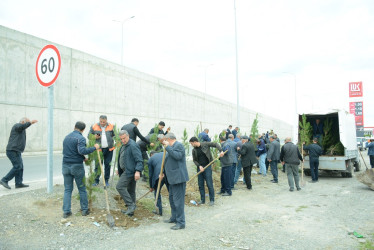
<point x="343" y="127"/>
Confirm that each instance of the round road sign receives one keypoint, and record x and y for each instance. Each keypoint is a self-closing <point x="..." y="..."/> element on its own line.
<point x="48" y="65"/>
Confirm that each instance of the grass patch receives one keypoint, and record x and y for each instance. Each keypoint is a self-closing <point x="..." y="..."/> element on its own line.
<point x="148" y="204"/>
<point x="368" y="244"/>
<point x="301" y="208"/>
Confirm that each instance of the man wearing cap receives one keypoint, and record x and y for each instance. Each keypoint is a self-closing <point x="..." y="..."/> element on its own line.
<point x="248" y="158"/>
<point x="370" y="146"/>
<point x="176" y="176"/>
<point x="314" y="152"/>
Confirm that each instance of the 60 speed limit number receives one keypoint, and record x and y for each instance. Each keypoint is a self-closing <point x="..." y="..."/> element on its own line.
<point x="48" y="65"/>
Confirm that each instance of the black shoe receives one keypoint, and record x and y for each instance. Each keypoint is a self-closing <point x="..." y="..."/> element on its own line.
<point x="220" y="192"/>
<point x="21" y="185"/>
<point x="298" y="189"/>
<point x="177" y="227"/>
<point x="85" y="212"/>
<point x="291" y="189"/>
<point x="5" y="184"/>
<point x="65" y="215"/>
<point x="226" y="194"/>
<point x="250" y="188"/>
<point x="201" y="203"/>
<point x="130" y="210"/>
<point x="274" y="181"/>
<point x="170" y="221"/>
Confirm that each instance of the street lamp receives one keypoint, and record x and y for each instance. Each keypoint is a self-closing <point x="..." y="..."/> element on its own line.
<point x="122" y="22"/>
<point x="237" y="74"/>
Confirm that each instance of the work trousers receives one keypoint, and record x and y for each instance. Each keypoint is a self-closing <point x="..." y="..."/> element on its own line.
<point x="293" y="175"/>
<point x="176" y="199"/>
<point x="247" y="170"/>
<point x="126" y="187"/>
<point x="313" y="164"/>
<point x="226" y="180"/>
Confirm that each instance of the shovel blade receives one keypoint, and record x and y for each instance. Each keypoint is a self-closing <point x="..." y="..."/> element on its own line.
<point x="110" y="220"/>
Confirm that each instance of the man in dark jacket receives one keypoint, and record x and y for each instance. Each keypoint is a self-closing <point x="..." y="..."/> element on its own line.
<point x="16" y="146"/>
<point x="176" y="176"/>
<point x="74" y="149"/>
<point x="273" y="157"/>
<point x="154" y="165"/>
<point x="202" y="156"/>
<point x="132" y="129"/>
<point x="226" y="165"/>
<point x="131" y="162"/>
<point x="314" y="152"/>
<point x="248" y="158"/>
<point x="104" y="134"/>
<point x="290" y="155"/>
<point x="161" y="126"/>
<point x="261" y="154"/>
<point x="233" y="152"/>
<point x="204" y="137"/>
<point x="228" y="131"/>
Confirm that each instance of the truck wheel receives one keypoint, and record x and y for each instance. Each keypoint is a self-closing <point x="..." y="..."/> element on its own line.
<point x="357" y="166"/>
<point x="307" y="172"/>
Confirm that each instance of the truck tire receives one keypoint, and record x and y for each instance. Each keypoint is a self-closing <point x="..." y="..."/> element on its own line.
<point x="357" y="166"/>
<point x="307" y="172"/>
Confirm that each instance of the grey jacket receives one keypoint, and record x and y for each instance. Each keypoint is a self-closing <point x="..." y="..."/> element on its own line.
<point x="17" y="138"/>
<point x="274" y="151"/>
<point x="227" y="159"/>
<point x="290" y="154"/>
<point x="175" y="164"/>
<point x="205" y="147"/>
<point x="130" y="158"/>
<point x="233" y="151"/>
<point x="248" y="154"/>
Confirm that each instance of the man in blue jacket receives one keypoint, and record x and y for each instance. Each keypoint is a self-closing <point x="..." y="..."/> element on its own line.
<point x="131" y="162"/>
<point x="370" y="146"/>
<point x="314" y="152"/>
<point x="16" y="145"/>
<point x="154" y="165"/>
<point x="74" y="149"/>
<point x="204" y="137"/>
<point x="177" y="176"/>
<point x="226" y="165"/>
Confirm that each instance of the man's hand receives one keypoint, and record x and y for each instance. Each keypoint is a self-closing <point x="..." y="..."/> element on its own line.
<point x="151" y="190"/>
<point x="166" y="143"/>
<point x="168" y="129"/>
<point x="238" y="148"/>
<point x="161" y="176"/>
<point x="152" y="144"/>
<point x="221" y="154"/>
<point x="283" y="162"/>
<point x="137" y="175"/>
<point x="269" y="160"/>
<point x="201" y="169"/>
<point x="34" y="121"/>
<point x="97" y="136"/>
<point x="97" y="146"/>
<point x="85" y="159"/>
<point x="304" y="143"/>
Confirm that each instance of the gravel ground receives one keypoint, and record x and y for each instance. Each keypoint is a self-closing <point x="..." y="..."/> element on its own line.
<point x="267" y="217"/>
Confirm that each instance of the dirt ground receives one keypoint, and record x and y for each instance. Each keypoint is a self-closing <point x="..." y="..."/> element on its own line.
<point x="320" y="216"/>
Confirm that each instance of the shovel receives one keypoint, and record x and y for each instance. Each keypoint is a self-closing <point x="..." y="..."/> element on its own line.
<point x="302" y="183"/>
<point x="159" y="181"/>
<point x="109" y="217"/>
<point x="144" y="195"/>
<point x="210" y="163"/>
<point x="366" y="177"/>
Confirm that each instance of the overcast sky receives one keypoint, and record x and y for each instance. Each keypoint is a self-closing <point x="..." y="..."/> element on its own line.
<point x="322" y="44"/>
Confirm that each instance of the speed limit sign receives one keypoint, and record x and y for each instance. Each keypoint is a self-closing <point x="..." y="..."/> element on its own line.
<point x="48" y="65"/>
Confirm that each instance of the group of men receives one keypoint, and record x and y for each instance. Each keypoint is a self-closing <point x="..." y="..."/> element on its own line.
<point x="235" y="151"/>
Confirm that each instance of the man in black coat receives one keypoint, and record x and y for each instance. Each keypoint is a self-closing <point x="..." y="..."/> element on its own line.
<point x="315" y="151"/>
<point x="132" y="129"/>
<point x="248" y="156"/>
<point x="16" y="146"/>
<point x="161" y="126"/>
<point x="202" y="157"/>
<point x="154" y="165"/>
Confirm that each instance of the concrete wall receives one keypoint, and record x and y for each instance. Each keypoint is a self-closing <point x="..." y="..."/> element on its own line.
<point x="89" y="86"/>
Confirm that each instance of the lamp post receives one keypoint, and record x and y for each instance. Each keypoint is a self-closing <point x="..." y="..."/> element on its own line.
<point x="296" y="114"/>
<point x="237" y="74"/>
<point x="122" y="22"/>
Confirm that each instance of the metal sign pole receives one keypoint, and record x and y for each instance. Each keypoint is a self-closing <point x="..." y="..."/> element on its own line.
<point x="50" y="141"/>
